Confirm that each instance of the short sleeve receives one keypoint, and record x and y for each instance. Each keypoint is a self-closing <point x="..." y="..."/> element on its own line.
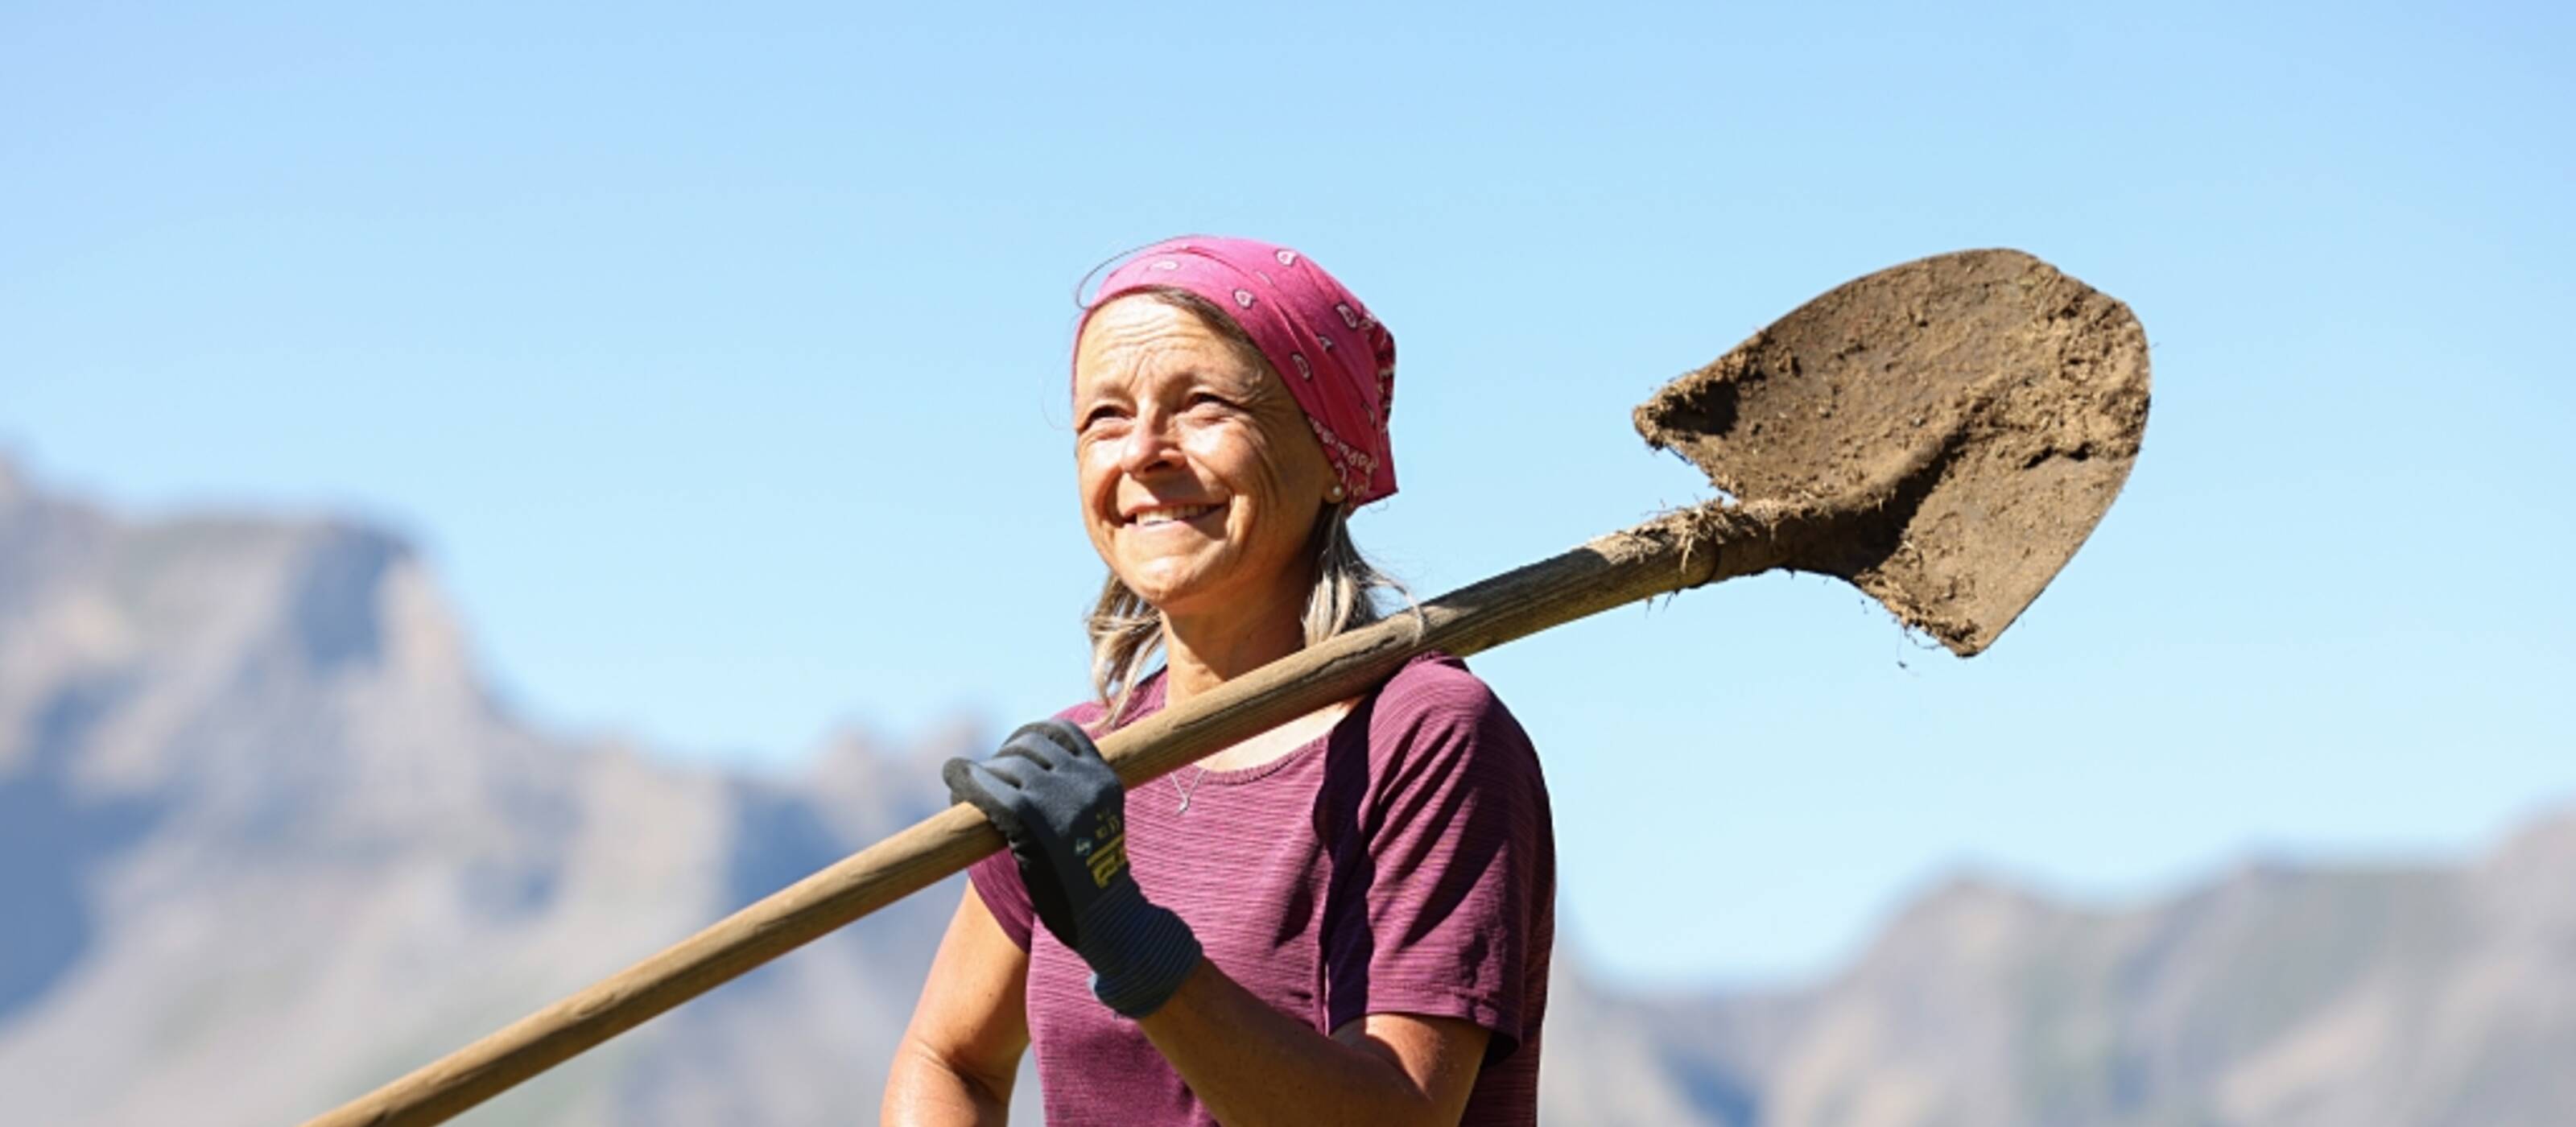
<point x="997" y="884"/>
<point x="1454" y="863"/>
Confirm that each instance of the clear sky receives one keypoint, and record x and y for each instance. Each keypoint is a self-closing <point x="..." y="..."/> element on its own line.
<point x="715" y="357"/>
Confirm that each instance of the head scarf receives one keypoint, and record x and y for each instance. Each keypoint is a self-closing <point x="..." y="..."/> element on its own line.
<point x="1335" y="358"/>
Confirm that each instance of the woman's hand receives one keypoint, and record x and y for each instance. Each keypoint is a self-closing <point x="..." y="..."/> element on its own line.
<point x="1064" y="812"/>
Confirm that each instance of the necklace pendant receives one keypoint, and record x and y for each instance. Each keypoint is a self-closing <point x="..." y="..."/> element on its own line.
<point x="1185" y="791"/>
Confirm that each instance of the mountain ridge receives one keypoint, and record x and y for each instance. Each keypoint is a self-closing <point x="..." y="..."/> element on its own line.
<point x="271" y="841"/>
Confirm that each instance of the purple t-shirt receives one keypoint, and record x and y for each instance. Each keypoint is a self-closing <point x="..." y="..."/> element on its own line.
<point x="1401" y="863"/>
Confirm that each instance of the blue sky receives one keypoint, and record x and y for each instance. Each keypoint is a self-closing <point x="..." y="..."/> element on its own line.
<point x="717" y="364"/>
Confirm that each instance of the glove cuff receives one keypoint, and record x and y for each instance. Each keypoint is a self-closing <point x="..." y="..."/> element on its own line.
<point x="1138" y="951"/>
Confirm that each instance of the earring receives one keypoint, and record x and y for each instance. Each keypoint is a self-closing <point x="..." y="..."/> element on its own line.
<point x="1335" y="496"/>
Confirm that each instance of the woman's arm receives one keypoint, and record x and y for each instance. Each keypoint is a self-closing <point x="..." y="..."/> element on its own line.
<point x="962" y="1050"/>
<point x="1253" y="1065"/>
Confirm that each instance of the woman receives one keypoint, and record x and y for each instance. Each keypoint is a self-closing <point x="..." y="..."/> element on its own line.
<point x="1346" y="919"/>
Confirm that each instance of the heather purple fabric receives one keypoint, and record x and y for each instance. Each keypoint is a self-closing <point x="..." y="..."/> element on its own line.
<point x="1402" y="863"/>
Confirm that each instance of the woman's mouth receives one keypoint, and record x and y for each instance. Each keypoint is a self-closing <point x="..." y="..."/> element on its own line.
<point x="1169" y="514"/>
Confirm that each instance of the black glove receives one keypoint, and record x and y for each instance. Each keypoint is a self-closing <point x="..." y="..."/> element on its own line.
<point x="1065" y="814"/>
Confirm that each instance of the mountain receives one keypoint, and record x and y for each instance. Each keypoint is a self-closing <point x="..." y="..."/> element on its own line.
<point x="2282" y="996"/>
<point x="267" y="842"/>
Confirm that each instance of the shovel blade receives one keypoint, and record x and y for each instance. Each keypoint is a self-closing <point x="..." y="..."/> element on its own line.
<point x="2009" y="398"/>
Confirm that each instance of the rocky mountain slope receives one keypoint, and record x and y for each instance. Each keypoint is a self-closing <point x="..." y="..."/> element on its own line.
<point x="2431" y="997"/>
<point x="265" y="842"/>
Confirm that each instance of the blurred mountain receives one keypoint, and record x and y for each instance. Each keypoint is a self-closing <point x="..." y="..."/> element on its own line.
<point x="2431" y="997"/>
<point x="266" y="842"/>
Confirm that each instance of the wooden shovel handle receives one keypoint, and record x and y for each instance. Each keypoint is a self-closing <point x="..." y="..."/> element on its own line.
<point x="1668" y="554"/>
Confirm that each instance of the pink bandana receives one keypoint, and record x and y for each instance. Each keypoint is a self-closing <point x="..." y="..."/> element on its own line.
<point x="1336" y="359"/>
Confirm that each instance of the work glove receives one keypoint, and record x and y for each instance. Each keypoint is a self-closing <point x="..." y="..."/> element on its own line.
<point x="1065" y="814"/>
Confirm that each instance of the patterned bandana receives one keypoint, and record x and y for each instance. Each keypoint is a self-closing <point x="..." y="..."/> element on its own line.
<point x="1336" y="359"/>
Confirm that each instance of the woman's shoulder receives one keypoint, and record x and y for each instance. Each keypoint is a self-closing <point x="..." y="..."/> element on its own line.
<point x="1431" y="705"/>
<point x="1435" y="707"/>
<point x="1090" y="715"/>
<point x="1436" y="686"/>
<point x="1442" y="747"/>
<point x="1086" y="714"/>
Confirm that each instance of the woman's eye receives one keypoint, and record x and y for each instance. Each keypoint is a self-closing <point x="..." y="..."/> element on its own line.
<point x="1209" y="399"/>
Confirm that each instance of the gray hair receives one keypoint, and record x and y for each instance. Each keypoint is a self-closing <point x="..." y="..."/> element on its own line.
<point x="1126" y="630"/>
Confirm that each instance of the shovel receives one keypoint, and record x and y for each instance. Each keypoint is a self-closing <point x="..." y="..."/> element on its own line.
<point x="1942" y="434"/>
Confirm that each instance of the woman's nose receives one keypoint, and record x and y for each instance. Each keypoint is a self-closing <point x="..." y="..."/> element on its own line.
<point x="1154" y="442"/>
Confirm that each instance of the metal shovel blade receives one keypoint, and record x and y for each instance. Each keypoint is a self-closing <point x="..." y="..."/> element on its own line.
<point x="2007" y="398"/>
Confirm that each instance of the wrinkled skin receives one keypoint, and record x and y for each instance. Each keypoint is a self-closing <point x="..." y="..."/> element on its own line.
<point x="1167" y="413"/>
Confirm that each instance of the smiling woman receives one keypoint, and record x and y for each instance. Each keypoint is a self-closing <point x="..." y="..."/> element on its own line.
<point x="1184" y="428"/>
<point x="1350" y="916"/>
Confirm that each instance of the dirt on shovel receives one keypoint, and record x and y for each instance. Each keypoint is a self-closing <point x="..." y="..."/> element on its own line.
<point x="2002" y="461"/>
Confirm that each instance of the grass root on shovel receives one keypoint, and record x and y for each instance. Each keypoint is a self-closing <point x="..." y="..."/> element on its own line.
<point x="1942" y="434"/>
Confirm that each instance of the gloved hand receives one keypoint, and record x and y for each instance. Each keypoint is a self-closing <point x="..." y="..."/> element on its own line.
<point x="1065" y="814"/>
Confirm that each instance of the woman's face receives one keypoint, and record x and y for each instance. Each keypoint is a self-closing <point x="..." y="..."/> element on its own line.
<point x="1200" y="478"/>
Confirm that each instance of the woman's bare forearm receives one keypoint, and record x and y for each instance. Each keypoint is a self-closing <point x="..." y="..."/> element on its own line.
<point x="923" y="1090"/>
<point x="1253" y="1065"/>
<point x="961" y="1052"/>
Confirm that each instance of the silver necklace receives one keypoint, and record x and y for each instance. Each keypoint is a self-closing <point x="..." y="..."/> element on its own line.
<point x="1186" y="791"/>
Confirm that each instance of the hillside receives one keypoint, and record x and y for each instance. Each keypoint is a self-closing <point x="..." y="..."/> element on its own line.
<point x="266" y="841"/>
